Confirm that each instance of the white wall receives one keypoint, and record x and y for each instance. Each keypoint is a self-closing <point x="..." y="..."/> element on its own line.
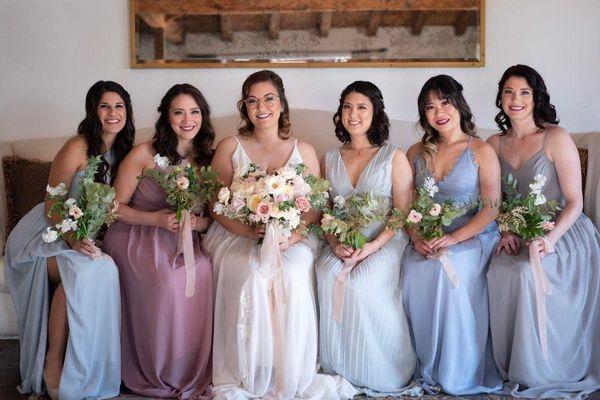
<point x="52" y="51"/>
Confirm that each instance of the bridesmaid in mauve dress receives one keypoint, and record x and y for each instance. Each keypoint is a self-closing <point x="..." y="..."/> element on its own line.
<point x="370" y="345"/>
<point x="561" y="357"/>
<point x="449" y="317"/>
<point x="166" y="334"/>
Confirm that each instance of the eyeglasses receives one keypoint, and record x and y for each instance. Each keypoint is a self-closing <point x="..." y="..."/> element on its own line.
<point x="268" y="100"/>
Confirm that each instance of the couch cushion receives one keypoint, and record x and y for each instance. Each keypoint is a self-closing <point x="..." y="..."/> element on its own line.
<point x="25" y="182"/>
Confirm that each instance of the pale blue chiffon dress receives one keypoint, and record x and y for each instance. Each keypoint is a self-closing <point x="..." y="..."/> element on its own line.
<point x="92" y="366"/>
<point x="572" y="368"/>
<point x="371" y="346"/>
<point x="450" y="325"/>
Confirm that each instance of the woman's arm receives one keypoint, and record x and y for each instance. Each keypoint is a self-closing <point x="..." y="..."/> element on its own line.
<point x="490" y="192"/>
<point x="132" y="166"/>
<point x="402" y="192"/>
<point x="563" y="152"/>
<point x="221" y="163"/>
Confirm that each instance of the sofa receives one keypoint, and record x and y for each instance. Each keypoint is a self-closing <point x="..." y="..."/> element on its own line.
<point x="26" y="164"/>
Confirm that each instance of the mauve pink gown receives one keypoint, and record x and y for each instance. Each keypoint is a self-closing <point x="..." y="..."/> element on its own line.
<point x="166" y="337"/>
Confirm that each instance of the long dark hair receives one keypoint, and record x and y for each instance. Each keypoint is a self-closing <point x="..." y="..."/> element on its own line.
<point x="448" y="88"/>
<point x="543" y="110"/>
<point x="379" y="131"/>
<point x="265" y="75"/>
<point x="165" y="140"/>
<point x="91" y="129"/>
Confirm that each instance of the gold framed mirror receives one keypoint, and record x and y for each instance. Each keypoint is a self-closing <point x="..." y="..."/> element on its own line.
<point x="307" y="33"/>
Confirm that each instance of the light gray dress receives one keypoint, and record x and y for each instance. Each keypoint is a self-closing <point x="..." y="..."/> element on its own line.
<point x="371" y="346"/>
<point x="92" y="366"/>
<point x="572" y="368"/>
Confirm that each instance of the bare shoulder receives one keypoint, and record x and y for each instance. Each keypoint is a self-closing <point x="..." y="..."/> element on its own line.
<point x="306" y="148"/>
<point x="494" y="141"/>
<point x="557" y="134"/>
<point x="413" y="151"/>
<point x="483" y="150"/>
<point x="399" y="155"/>
<point x="226" y="145"/>
<point x="74" y="151"/>
<point x="141" y="156"/>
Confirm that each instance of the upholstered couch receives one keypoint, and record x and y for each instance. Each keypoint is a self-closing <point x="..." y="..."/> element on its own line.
<point x="24" y="180"/>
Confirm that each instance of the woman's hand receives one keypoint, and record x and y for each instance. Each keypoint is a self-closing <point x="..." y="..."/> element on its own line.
<point x="422" y="246"/>
<point x="200" y="224"/>
<point x="285" y="243"/>
<point x="365" y="251"/>
<point x="510" y="243"/>
<point x="85" y="246"/>
<point x="540" y="246"/>
<point x="257" y="232"/>
<point x="166" y="219"/>
<point x="340" y="250"/>
<point x="438" y="244"/>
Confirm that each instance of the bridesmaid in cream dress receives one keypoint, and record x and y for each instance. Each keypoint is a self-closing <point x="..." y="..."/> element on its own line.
<point x="264" y="349"/>
<point x="370" y="345"/>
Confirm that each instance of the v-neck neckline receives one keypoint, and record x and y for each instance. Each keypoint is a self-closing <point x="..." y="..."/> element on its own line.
<point x="451" y="171"/>
<point x="537" y="153"/>
<point x="360" y="176"/>
<point x="266" y="170"/>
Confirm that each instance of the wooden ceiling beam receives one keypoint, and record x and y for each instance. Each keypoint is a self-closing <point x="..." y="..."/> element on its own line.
<point x="325" y="23"/>
<point x="226" y="28"/>
<point x="374" y="19"/>
<point x="417" y="24"/>
<point x="461" y="24"/>
<point x="269" y="6"/>
<point x="274" y="25"/>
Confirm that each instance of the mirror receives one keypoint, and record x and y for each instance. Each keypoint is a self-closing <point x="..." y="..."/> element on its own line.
<point x="307" y="33"/>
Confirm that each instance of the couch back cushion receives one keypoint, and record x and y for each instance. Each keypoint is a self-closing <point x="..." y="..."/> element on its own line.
<point x="25" y="183"/>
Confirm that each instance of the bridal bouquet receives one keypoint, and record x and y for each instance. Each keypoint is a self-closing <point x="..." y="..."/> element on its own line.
<point x="346" y="220"/>
<point x="279" y="198"/>
<point x="94" y="207"/>
<point x="528" y="217"/>
<point x="430" y="217"/>
<point x="187" y="187"/>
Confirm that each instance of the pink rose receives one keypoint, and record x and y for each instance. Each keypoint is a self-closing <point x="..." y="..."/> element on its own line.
<point x="282" y="197"/>
<point x="303" y="204"/>
<point x="547" y="225"/>
<point x="263" y="210"/>
<point x="327" y="218"/>
<point x="236" y="204"/>
<point x="435" y="210"/>
<point x="182" y="182"/>
<point x="414" y="217"/>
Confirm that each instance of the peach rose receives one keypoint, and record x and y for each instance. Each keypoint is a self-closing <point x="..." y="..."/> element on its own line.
<point x="303" y="204"/>
<point x="414" y="216"/>
<point x="435" y="210"/>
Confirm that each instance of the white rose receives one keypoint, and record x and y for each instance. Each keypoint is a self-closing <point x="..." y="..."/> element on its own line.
<point x="60" y="190"/>
<point x="50" y="235"/>
<point x="287" y="172"/>
<point x="219" y="208"/>
<point x="339" y="201"/>
<point x="182" y="182"/>
<point x="275" y="185"/>
<point x="223" y="195"/>
<point x="64" y="226"/>
<point x="70" y="202"/>
<point x="75" y="212"/>
<point x="162" y="162"/>
<point x="539" y="199"/>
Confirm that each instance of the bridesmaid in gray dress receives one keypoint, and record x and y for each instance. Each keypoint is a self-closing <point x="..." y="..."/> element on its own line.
<point x="370" y="346"/>
<point x="449" y="319"/>
<point x="66" y="293"/>
<point x="569" y="364"/>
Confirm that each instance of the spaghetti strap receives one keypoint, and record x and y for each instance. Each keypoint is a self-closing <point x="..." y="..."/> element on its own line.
<point x="499" y="146"/>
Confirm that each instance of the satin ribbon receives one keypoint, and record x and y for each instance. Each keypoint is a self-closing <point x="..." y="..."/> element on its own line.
<point x="339" y="289"/>
<point x="185" y="245"/>
<point x="444" y="258"/>
<point x="270" y="263"/>
<point x="542" y="288"/>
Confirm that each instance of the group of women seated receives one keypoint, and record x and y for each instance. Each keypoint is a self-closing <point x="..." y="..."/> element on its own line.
<point x="91" y="315"/>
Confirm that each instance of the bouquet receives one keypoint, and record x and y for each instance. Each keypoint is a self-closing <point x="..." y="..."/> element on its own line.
<point x="528" y="217"/>
<point x="279" y="198"/>
<point x="187" y="187"/>
<point x="430" y="217"/>
<point x="347" y="219"/>
<point x="94" y="207"/>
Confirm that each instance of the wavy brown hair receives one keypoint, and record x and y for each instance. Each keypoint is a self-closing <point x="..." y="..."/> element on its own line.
<point x="246" y="126"/>
<point x="543" y="110"/>
<point x="165" y="140"/>
<point x="379" y="131"/>
<point x="445" y="87"/>
<point x="91" y="129"/>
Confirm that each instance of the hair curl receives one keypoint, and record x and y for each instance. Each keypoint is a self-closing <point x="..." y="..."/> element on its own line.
<point x="165" y="140"/>
<point x="543" y="110"/>
<point x="91" y="129"/>
<point x="379" y="131"/>
<point x="445" y="87"/>
<point x="246" y="126"/>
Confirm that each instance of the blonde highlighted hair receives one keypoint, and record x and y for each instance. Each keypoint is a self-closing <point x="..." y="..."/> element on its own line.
<point x="445" y="87"/>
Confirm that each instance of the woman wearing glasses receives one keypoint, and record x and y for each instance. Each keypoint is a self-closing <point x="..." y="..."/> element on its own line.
<point x="263" y="347"/>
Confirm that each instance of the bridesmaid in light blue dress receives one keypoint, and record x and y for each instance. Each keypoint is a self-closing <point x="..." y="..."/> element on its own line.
<point x="370" y="345"/>
<point x="567" y="363"/>
<point x="449" y="318"/>
<point x="70" y="340"/>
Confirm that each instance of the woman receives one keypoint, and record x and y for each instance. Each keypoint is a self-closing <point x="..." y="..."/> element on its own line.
<point x="74" y="347"/>
<point x="263" y="348"/>
<point x="447" y="302"/>
<point x="567" y="362"/>
<point x="166" y="334"/>
<point x="370" y="345"/>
